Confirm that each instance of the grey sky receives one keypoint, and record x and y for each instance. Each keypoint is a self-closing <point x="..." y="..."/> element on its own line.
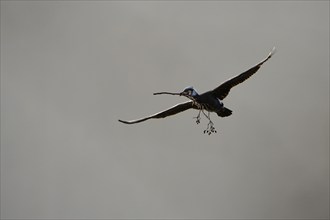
<point x="70" y="70"/>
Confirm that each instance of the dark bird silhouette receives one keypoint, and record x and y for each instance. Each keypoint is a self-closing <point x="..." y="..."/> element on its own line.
<point x="210" y="101"/>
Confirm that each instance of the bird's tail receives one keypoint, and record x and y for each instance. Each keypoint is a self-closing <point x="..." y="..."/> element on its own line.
<point x="224" y="112"/>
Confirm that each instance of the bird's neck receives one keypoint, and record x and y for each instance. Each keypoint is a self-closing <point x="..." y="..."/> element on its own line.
<point x="194" y="96"/>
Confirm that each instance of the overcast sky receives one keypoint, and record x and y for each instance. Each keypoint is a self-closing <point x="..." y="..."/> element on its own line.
<point x="70" y="70"/>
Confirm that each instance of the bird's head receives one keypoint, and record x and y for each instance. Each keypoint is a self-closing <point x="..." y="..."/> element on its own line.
<point x="189" y="92"/>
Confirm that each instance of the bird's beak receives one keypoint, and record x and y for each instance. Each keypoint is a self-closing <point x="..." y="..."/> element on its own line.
<point x="183" y="93"/>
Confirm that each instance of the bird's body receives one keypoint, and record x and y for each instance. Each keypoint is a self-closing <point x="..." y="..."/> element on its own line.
<point x="210" y="101"/>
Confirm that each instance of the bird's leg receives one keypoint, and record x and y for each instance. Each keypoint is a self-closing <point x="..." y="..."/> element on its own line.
<point x="200" y="108"/>
<point x="210" y="128"/>
<point x="198" y="117"/>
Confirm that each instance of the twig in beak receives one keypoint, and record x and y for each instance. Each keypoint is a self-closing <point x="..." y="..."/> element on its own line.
<point x="168" y="93"/>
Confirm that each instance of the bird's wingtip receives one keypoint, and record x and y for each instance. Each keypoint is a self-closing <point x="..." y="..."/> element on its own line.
<point x="272" y="52"/>
<point x="125" y="122"/>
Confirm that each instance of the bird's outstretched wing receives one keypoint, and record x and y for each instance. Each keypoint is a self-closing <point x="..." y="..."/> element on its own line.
<point x="222" y="91"/>
<point x="168" y="112"/>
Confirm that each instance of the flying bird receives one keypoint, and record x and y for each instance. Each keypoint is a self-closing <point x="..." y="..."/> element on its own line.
<point x="210" y="101"/>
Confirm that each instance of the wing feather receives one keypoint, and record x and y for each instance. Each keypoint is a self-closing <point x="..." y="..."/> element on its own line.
<point x="168" y="112"/>
<point x="222" y="91"/>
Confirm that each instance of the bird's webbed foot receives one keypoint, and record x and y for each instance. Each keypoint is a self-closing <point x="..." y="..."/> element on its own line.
<point x="210" y="128"/>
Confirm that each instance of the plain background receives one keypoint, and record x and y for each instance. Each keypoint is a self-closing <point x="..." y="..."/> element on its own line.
<point x="70" y="70"/>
